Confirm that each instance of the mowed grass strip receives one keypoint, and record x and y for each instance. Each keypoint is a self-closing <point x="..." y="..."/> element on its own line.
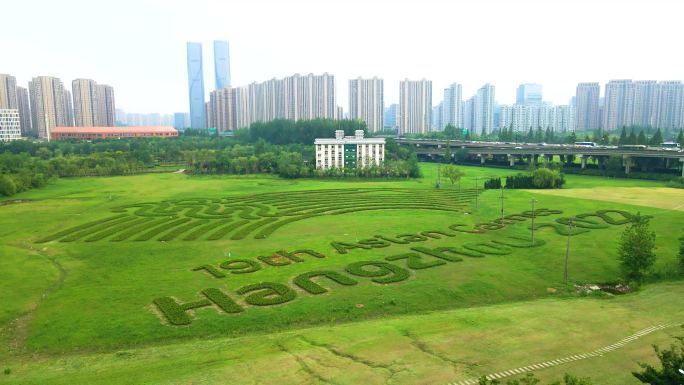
<point x="78" y="228"/>
<point x="182" y="229"/>
<point x="115" y="229"/>
<point x="243" y="232"/>
<point x="139" y="228"/>
<point x="200" y="231"/>
<point x="160" y="229"/>
<point x="222" y="232"/>
<point x="94" y="229"/>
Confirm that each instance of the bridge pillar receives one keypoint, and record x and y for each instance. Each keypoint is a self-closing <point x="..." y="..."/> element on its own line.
<point x="681" y="160"/>
<point x="627" y="162"/>
<point x="583" y="159"/>
<point x="511" y="160"/>
<point x="482" y="158"/>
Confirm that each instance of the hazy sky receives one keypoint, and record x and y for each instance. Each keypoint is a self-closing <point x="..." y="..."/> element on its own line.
<point x="139" y="46"/>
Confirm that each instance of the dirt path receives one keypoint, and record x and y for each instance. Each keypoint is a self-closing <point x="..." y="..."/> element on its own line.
<point x="21" y="324"/>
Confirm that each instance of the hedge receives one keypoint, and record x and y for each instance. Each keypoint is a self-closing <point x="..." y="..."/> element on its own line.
<point x="267" y="294"/>
<point x="205" y="229"/>
<point x="94" y="229"/>
<point x="221" y="232"/>
<point x="139" y="228"/>
<point x="182" y="229"/>
<point x="381" y="275"/>
<point x="77" y="228"/>
<point x="160" y="229"/>
<point x="304" y="280"/>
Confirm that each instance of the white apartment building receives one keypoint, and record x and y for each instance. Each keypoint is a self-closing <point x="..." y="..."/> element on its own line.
<point x="10" y="125"/>
<point x="523" y="117"/>
<point x="415" y="106"/>
<point x="452" y="107"/>
<point x="349" y="151"/>
<point x="366" y="102"/>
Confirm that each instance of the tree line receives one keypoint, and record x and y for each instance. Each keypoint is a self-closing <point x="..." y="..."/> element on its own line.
<point x="280" y="147"/>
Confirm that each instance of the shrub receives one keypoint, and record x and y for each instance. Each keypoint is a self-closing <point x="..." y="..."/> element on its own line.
<point x="493" y="183"/>
<point x="115" y="229"/>
<point x="488" y="248"/>
<point x="243" y="232"/>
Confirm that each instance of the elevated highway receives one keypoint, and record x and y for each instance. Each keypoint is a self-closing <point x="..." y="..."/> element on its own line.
<point x="514" y="152"/>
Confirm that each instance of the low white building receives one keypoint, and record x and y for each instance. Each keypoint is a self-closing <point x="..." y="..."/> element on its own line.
<point x="349" y="151"/>
<point x="10" y="125"/>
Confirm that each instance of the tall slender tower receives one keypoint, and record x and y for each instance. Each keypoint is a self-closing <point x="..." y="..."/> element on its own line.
<point x="221" y="64"/>
<point x="366" y="102"/>
<point x="196" y="86"/>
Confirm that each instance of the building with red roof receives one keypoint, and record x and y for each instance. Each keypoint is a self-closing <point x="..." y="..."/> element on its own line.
<point x="90" y="133"/>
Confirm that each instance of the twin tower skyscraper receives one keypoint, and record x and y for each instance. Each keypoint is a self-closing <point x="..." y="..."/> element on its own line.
<point x="198" y="118"/>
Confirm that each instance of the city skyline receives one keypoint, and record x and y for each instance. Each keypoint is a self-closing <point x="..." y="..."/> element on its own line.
<point x="149" y="54"/>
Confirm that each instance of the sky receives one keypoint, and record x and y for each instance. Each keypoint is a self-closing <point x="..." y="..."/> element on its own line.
<point x="138" y="46"/>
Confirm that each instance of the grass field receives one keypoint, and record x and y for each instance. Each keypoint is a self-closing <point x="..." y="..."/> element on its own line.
<point x="151" y="279"/>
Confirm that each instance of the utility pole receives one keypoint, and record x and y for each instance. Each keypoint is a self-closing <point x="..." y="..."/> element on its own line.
<point x="476" y="191"/>
<point x="534" y="214"/>
<point x="502" y="205"/>
<point x="567" y="252"/>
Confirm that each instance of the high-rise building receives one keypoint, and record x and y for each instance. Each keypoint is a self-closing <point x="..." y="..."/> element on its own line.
<point x="196" y="85"/>
<point x="483" y="110"/>
<point x="618" y="106"/>
<point x="106" y="107"/>
<point x="221" y="64"/>
<point x="48" y="108"/>
<point x="10" y="125"/>
<point x="587" y="106"/>
<point x="645" y="103"/>
<point x="390" y="118"/>
<point x="529" y="94"/>
<point x="86" y="101"/>
<point x="179" y="120"/>
<point x="221" y="112"/>
<point x="24" y="111"/>
<point x="8" y="92"/>
<point x="436" y="122"/>
<point x="68" y="109"/>
<point x="468" y="111"/>
<point x="366" y="102"/>
<point x="452" y="108"/>
<point x="415" y="106"/>
<point x="670" y="106"/>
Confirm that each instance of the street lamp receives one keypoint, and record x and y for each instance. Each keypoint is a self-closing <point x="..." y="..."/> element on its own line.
<point x="502" y="205"/>
<point x="476" y="191"/>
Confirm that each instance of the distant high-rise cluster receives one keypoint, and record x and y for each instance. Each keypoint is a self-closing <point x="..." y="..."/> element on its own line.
<point x="644" y="103"/>
<point x="47" y="104"/>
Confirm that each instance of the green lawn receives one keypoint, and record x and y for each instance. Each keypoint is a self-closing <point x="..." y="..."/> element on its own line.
<point x="81" y="297"/>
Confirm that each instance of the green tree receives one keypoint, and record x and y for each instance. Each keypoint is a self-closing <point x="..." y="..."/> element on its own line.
<point x="636" y="249"/>
<point x="454" y="174"/>
<point x="632" y="139"/>
<point x="656" y="139"/>
<point x="641" y="139"/>
<point x="623" y="136"/>
<point x="448" y="155"/>
<point x="7" y="186"/>
<point x="671" y="361"/>
<point x="680" y="137"/>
